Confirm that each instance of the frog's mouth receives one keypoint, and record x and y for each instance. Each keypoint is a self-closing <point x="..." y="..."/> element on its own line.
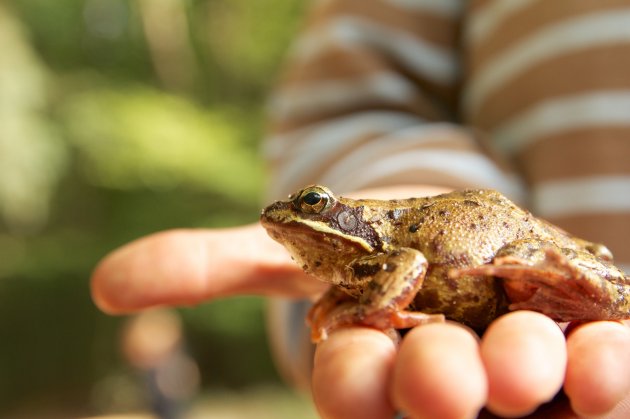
<point x="317" y="235"/>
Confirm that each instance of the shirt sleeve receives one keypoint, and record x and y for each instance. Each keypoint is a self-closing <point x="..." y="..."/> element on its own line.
<point x="370" y="98"/>
<point x="547" y="82"/>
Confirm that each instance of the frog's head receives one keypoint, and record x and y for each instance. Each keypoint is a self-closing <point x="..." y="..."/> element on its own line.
<point x="323" y="233"/>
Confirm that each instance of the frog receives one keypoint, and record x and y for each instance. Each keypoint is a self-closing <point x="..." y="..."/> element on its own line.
<point x="467" y="256"/>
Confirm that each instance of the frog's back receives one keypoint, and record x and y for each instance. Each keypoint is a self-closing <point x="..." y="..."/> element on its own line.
<point x="467" y="227"/>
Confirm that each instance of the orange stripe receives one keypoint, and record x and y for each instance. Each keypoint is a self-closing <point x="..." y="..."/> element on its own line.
<point x="605" y="68"/>
<point x="421" y="106"/>
<point x="528" y="21"/>
<point x="595" y="151"/>
<point x="335" y="63"/>
<point x="338" y="63"/>
<point x="475" y="6"/>
<point x="612" y="230"/>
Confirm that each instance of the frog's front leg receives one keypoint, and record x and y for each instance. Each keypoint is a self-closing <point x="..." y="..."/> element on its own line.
<point x="392" y="281"/>
<point x="565" y="284"/>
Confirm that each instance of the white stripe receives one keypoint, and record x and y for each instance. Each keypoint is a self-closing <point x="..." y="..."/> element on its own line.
<point x="602" y="194"/>
<point x="303" y="167"/>
<point x="579" y="33"/>
<point x="446" y="8"/>
<point x="473" y="169"/>
<point x="564" y="114"/>
<point x="417" y="136"/>
<point x="488" y="18"/>
<point x="320" y="141"/>
<point x="380" y="159"/>
<point x="305" y="160"/>
<point x="330" y="95"/>
<point x="421" y="57"/>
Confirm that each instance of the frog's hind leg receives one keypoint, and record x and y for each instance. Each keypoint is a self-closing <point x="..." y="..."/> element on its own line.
<point x="565" y="284"/>
<point x="395" y="278"/>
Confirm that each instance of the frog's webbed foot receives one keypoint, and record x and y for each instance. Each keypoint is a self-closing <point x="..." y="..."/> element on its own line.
<point x="332" y="301"/>
<point x="395" y="278"/>
<point x="564" y="284"/>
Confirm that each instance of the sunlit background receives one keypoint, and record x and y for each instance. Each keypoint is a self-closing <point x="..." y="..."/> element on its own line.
<point x="120" y="118"/>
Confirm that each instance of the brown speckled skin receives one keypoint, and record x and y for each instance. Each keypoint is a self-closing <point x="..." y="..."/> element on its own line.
<point x="469" y="238"/>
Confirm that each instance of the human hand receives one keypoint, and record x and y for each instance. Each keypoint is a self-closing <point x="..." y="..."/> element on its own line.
<point x="439" y="370"/>
<point x="445" y="371"/>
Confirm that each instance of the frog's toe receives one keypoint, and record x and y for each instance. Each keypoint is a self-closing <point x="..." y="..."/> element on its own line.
<point x="505" y="267"/>
<point x="405" y="319"/>
<point x="318" y="334"/>
<point x="356" y="314"/>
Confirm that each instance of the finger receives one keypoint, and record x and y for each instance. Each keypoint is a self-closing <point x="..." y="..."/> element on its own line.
<point x="598" y="372"/>
<point x="189" y="266"/>
<point x="351" y="374"/>
<point x="525" y="358"/>
<point x="439" y="373"/>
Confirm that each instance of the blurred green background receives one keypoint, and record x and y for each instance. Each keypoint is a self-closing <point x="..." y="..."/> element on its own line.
<point x="118" y="119"/>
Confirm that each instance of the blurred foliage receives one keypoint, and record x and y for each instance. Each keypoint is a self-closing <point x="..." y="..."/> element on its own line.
<point x="117" y="119"/>
<point x="31" y="156"/>
<point x="141" y="138"/>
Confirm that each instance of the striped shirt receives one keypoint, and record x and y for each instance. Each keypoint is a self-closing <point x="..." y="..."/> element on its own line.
<point x="530" y="97"/>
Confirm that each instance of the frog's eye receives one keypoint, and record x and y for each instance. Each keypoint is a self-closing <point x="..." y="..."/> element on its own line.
<point x="313" y="201"/>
